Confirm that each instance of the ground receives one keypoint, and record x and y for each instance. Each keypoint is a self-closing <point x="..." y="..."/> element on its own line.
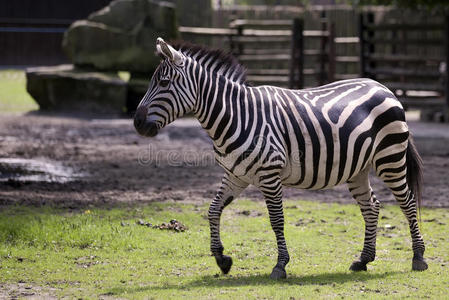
<point x="113" y="253"/>
<point x="113" y="164"/>
<point x="84" y="234"/>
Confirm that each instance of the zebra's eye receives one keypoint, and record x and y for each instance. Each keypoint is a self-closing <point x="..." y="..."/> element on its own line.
<point x="164" y="82"/>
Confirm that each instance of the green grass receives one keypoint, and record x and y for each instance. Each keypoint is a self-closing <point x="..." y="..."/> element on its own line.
<point x="13" y="94"/>
<point x="89" y="253"/>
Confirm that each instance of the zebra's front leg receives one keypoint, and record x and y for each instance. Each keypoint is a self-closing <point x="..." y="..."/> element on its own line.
<point x="230" y="188"/>
<point x="361" y="191"/>
<point x="272" y="191"/>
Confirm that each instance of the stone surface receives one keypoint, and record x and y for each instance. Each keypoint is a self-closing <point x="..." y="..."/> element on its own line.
<point x="121" y="36"/>
<point x="66" y="88"/>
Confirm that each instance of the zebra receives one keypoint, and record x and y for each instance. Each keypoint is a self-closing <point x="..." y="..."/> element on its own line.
<point x="271" y="137"/>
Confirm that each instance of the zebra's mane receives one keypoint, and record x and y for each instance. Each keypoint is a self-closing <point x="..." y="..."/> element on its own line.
<point x="215" y="60"/>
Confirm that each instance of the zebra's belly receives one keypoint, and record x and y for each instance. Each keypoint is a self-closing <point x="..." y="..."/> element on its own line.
<point x="315" y="177"/>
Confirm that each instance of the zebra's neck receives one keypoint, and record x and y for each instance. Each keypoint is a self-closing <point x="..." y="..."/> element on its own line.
<point x="219" y="100"/>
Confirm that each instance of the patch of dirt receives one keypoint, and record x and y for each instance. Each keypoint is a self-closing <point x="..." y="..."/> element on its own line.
<point x="120" y="167"/>
<point x="26" y="291"/>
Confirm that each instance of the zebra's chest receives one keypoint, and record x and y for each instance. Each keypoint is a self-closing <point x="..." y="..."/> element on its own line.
<point x="241" y="165"/>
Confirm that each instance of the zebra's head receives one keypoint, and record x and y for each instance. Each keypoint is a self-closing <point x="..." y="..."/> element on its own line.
<point x="169" y="95"/>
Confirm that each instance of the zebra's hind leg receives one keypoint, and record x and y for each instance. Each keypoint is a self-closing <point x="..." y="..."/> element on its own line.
<point x="402" y="173"/>
<point x="361" y="191"/>
<point x="272" y="191"/>
<point x="406" y="199"/>
<point x="230" y="188"/>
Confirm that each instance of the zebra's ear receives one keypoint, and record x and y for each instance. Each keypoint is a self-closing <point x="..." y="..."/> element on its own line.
<point x="169" y="52"/>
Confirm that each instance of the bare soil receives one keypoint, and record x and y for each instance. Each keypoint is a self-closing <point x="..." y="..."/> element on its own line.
<point x="119" y="167"/>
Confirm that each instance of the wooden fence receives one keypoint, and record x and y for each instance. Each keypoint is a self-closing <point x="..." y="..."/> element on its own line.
<point x="411" y="59"/>
<point x="395" y="54"/>
<point x="274" y="51"/>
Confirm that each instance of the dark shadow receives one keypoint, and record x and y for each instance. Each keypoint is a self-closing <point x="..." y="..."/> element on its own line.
<point x="262" y="279"/>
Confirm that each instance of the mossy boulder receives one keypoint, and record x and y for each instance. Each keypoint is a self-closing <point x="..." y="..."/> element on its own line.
<point x="68" y="89"/>
<point x="121" y="36"/>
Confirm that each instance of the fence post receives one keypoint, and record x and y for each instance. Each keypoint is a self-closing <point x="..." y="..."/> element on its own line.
<point x="446" y="75"/>
<point x="239" y="40"/>
<point x="362" y="46"/>
<point x="296" y="79"/>
<point x="332" y="52"/>
<point x="371" y="46"/>
<point x="322" y="57"/>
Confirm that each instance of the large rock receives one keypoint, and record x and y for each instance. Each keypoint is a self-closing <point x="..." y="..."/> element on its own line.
<point x="121" y="36"/>
<point x="66" y="88"/>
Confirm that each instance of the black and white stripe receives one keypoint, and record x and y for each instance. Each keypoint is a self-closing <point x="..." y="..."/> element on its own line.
<point x="273" y="137"/>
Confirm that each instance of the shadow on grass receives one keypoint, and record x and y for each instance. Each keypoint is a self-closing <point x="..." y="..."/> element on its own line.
<point x="257" y="280"/>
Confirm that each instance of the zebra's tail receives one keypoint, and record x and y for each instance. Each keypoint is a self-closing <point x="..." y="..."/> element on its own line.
<point x="414" y="172"/>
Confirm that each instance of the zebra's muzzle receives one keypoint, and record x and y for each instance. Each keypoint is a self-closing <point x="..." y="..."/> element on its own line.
<point x="148" y="129"/>
<point x="143" y="127"/>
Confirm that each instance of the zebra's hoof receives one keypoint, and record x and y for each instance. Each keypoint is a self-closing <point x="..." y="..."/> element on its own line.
<point x="225" y="263"/>
<point x="419" y="265"/>
<point x="358" y="266"/>
<point x="278" y="273"/>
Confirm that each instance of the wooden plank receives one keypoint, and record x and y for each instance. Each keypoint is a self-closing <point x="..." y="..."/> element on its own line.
<point x="414" y="86"/>
<point x="261" y="78"/>
<point x="347" y="40"/>
<point x="261" y="23"/>
<point x="313" y="52"/>
<point x="417" y="27"/>
<point x="422" y="103"/>
<point x="207" y="31"/>
<point x="265" y="57"/>
<point x="347" y="59"/>
<point x="315" y="33"/>
<point x="262" y="39"/>
<point x="405" y="72"/>
<point x="402" y="58"/>
<point x="346" y="76"/>
<point x="422" y="94"/>
<point x="252" y="51"/>
<point x="415" y="41"/>
<point x="310" y="72"/>
<point x="283" y="72"/>
<point x="266" y="33"/>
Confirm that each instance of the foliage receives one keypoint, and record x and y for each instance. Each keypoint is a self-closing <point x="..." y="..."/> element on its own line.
<point x="13" y="94"/>
<point x="103" y="252"/>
